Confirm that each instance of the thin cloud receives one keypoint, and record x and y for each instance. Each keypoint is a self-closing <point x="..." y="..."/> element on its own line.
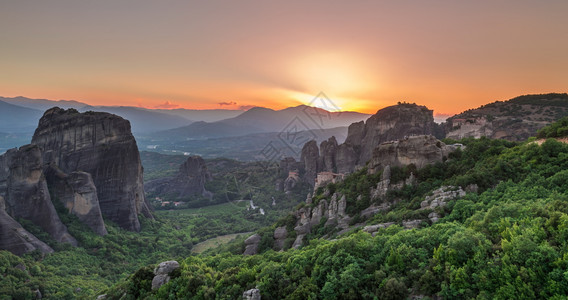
<point x="167" y="105"/>
<point x="227" y="103"/>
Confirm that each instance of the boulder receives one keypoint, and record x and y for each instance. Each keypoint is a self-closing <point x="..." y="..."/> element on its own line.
<point x="162" y="273"/>
<point x="280" y="235"/>
<point x="252" y="294"/>
<point x="251" y="244"/>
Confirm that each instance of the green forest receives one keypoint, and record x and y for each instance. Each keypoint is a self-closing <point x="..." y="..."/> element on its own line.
<point x="507" y="239"/>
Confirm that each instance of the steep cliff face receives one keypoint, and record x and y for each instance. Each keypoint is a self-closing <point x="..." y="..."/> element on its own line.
<point x="102" y="145"/>
<point x="25" y="192"/>
<point x="419" y="150"/>
<point x="188" y="182"/>
<point x="194" y="174"/>
<point x="16" y="239"/>
<point x="389" y="124"/>
<point x="310" y="160"/>
<point x="78" y="193"/>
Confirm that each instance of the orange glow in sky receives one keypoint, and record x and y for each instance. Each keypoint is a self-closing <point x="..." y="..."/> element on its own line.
<point x="364" y="55"/>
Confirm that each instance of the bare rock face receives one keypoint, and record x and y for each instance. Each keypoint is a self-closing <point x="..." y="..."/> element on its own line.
<point x="418" y="150"/>
<point x="102" y="145"/>
<point x="441" y="196"/>
<point x="251" y="244"/>
<point x="393" y="123"/>
<point x="309" y="158"/>
<point x="280" y="235"/>
<point x="328" y="154"/>
<point x="346" y="158"/>
<point x="252" y="294"/>
<point x="162" y="273"/>
<point x="79" y="195"/>
<point x="16" y="239"/>
<point x="26" y="195"/>
<point x="194" y="174"/>
<point x="188" y="182"/>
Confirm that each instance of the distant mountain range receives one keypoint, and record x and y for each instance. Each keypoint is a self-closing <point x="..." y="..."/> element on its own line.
<point x="27" y="112"/>
<point x="260" y="119"/>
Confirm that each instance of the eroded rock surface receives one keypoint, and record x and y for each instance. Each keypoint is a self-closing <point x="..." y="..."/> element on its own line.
<point x="188" y="182"/>
<point x="25" y="192"/>
<point x="78" y="193"/>
<point x="16" y="239"/>
<point x="162" y="273"/>
<point x="102" y="145"/>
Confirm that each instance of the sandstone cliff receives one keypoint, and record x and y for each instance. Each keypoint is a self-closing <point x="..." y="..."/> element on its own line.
<point x="419" y="150"/>
<point x="79" y="195"/>
<point x="24" y="189"/>
<point x="188" y="182"/>
<point x="16" y="239"/>
<point x="102" y="145"/>
<point x="388" y="124"/>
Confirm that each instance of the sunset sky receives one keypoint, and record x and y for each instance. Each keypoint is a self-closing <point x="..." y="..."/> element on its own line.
<point x="364" y="55"/>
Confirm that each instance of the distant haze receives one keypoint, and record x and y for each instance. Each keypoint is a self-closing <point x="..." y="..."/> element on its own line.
<point x="365" y="55"/>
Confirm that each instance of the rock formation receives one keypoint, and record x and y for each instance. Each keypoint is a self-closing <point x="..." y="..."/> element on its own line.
<point x="79" y="195"/>
<point x="188" y="182"/>
<point x="516" y="119"/>
<point x="328" y="154"/>
<point x="251" y="244"/>
<point x="162" y="273"/>
<point x="252" y="294"/>
<point x="388" y="124"/>
<point x="309" y="159"/>
<point x="280" y="235"/>
<point x="16" y="239"/>
<point x="418" y="150"/>
<point x="24" y="189"/>
<point x="102" y="145"/>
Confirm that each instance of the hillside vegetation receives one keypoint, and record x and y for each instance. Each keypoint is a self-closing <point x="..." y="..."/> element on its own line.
<point x="508" y="239"/>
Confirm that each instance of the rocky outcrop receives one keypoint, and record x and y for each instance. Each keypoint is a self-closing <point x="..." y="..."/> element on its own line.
<point x="418" y="150"/>
<point x="25" y="192"/>
<point x="16" y="239"/>
<point x="251" y="244"/>
<point x="309" y="159"/>
<point x="193" y="174"/>
<point x="389" y="124"/>
<point x="252" y="294"/>
<point x="162" y="273"/>
<point x="346" y="158"/>
<point x="102" y="145"/>
<point x="189" y="181"/>
<point x="441" y="196"/>
<point x="516" y="119"/>
<point x="280" y="235"/>
<point x="328" y="154"/>
<point x="78" y="193"/>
